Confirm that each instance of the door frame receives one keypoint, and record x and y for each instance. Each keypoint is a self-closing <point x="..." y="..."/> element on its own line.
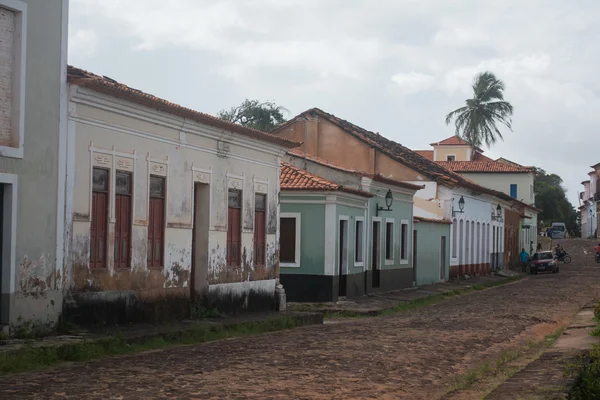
<point x="9" y="243"/>
<point x="443" y="249"/>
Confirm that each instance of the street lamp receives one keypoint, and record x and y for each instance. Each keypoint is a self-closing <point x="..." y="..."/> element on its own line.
<point x="389" y="199"/>
<point x="498" y="215"/>
<point x="461" y="206"/>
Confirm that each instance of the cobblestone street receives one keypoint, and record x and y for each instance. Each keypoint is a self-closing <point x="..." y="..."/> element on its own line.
<point x="413" y="355"/>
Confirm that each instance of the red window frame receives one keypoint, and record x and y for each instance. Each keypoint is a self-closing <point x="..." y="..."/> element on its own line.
<point x="99" y="217"/>
<point x="123" y="200"/>
<point x="260" y="233"/>
<point x="234" y="228"/>
<point x="156" y="222"/>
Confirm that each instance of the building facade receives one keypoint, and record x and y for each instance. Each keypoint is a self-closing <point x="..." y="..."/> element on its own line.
<point x="344" y="144"/>
<point x="33" y="94"/>
<point x="165" y="204"/>
<point x="373" y="241"/>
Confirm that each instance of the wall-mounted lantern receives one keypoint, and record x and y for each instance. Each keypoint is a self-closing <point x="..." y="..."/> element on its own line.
<point x="389" y="198"/>
<point x="498" y="215"/>
<point x="461" y="207"/>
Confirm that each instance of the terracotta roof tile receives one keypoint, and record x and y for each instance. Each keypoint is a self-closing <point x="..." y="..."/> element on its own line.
<point x="293" y="178"/>
<point x="111" y="87"/>
<point x="482" y="166"/>
<point x="403" y="155"/>
<point x="428" y="154"/>
<point x="451" y="141"/>
<point x="431" y="220"/>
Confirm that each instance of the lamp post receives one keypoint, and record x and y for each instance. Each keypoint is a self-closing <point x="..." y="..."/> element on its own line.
<point x="498" y="215"/>
<point x="461" y="206"/>
<point x="389" y="199"/>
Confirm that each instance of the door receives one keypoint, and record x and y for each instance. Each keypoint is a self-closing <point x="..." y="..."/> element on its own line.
<point x="443" y="259"/>
<point x="375" y="270"/>
<point x="199" y="273"/>
<point x="99" y="218"/>
<point x="343" y="256"/>
<point x="414" y="257"/>
<point x="234" y="228"/>
<point x="123" y="219"/>
<point x="156" y="221"/>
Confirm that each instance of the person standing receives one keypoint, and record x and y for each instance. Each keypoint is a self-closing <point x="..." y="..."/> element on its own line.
<point x="524" y="256"/>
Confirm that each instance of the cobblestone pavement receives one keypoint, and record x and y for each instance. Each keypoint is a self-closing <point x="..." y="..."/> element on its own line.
<point x="412" y="355"/>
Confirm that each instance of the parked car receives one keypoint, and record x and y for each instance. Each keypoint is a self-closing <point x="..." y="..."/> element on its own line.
<point x="543" y="261"/>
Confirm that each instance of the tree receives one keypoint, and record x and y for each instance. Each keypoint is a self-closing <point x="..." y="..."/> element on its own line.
<point x="263" y="116"/>
<point x="477" y="121"/>
<point x="551" y="197"/>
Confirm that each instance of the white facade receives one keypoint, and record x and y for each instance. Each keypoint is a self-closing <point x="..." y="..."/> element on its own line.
<point x="200" y="164"/>
<point x="502" y="181"/>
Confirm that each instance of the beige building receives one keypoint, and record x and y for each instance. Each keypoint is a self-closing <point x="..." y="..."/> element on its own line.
<point x="164" y="202"/>
<point x="33" y="92"/>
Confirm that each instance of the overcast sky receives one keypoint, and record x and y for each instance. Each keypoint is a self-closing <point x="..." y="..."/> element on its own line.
<point x="396" y="67"/>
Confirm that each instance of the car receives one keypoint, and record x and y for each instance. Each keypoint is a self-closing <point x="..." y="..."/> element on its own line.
<point x="543" y="261"/>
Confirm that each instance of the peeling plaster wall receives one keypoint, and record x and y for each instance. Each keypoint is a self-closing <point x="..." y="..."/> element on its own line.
<point x="121" y="136"/>
<point x="30" y="277"/>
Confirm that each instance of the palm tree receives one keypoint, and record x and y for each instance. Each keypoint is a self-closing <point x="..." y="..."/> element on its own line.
<point x="477" y="121"/>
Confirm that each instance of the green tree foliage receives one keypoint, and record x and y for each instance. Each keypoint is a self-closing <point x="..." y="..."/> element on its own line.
<point x="477" y="121"/>
<point x="263" y="116"/>
<point x="551" y="197"/>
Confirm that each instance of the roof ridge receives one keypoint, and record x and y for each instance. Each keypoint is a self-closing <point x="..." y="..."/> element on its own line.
<point x="104" y="84"/>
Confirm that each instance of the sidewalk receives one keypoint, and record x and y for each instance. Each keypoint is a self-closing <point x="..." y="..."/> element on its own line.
<point x="142" y="332"/>
<point x="377" y="303"/>
<point x="546" y="377"/>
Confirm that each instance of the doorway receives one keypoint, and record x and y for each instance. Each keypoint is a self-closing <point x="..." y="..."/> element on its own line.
<point x="375" y="268"/>
<point x="199" y="273"/>
<point x="343" y="256"/>
<point x="443" y="258"/>
<point x="414" y="257"/>
<point x="8" y="221"/>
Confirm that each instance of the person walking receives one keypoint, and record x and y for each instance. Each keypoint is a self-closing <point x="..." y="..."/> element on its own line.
<point x="524" y="256"/>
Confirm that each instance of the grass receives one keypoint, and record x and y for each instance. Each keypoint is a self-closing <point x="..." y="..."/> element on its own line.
<point x="420" y="302"/>
<point x="29" y="358"/>
<point x="499" y="366"/>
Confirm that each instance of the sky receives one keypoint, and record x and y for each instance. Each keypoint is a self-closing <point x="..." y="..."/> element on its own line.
<point x="396" y="67"/>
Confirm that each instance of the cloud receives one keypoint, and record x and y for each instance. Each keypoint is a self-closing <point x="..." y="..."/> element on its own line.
<point x="413" y="82"/>
<point x="341" y="55"/>
<point x="83" y="42"/>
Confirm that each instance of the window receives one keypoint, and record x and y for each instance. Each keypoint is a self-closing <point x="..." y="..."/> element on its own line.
<point x="450" y="157"/>
<point x="358" y="241"/>
<point x="234" y="218"/>
<point x="404" y="240"/>
<point x="460" y="241"/>
<point x="100" y="178"/>
<point x="260" y="234"/>
<point x="389" y="241"/>
<point x="513" y="190"/>
<point x="13" y="26"/>
<point x="123" y="219"/>
<point x="454" y="238"/>
<point x="289" y="239"/>
<point x="156" y="221"/>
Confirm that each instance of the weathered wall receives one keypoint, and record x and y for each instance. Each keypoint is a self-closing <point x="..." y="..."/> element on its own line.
<point x="122" y="136"/>
<point x="429" y="253"/>
<point x="31" y="283"/>
<point x="356" y="154"/>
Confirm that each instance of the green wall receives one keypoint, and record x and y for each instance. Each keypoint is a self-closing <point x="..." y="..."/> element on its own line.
<point x="402" y="209"/>
<point x="312" y="237"/>
<point x="428" y="251"/>
<point x="352" y="213"/>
